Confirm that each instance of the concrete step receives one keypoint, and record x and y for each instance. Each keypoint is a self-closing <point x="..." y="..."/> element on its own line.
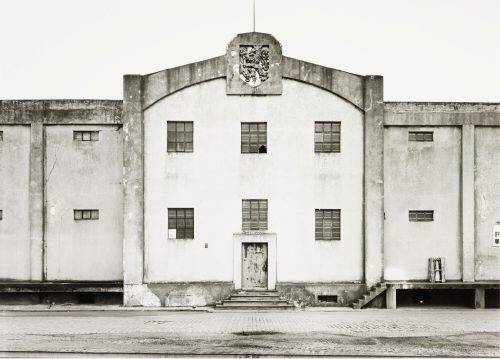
<point x="253" y="298"/>
<point x="256" y="293"/>
<point x="254" y="307"/>
<point x="255" y="302"/>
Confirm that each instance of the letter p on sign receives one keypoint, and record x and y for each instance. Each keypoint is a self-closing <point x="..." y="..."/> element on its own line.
<point x="496" y="235"/>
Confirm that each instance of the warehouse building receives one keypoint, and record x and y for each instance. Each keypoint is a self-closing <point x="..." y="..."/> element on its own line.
<point x="250" y="171"/>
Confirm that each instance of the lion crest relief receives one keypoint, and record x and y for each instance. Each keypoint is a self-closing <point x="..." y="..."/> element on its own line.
<point x="254" y="64"/>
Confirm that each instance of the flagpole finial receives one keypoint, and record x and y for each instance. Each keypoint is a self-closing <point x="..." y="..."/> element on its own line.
<point x="253" y="15"/>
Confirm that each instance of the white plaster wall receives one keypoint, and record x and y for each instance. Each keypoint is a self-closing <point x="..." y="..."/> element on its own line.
<point x="487" y="201"/>
<point x="216" y="177"/>
<point x="14" y="201"/>
<point x="84" y="175"/>
<point x="420" y="176"/>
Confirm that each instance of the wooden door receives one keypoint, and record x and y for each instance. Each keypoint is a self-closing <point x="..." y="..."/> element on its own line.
<point x="254" y="266"/>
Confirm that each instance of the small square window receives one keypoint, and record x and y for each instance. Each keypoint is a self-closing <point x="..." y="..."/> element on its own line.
<point x="94" y="214"/>
<point x="179" y="136"/>
<point x="253" y="137"/>
<point x="326" y="137"/>
<point x="77" y="214"/>
<point x="327" y="224"/>
<point x="94" y="135"/>
<point x="181" y="223"/>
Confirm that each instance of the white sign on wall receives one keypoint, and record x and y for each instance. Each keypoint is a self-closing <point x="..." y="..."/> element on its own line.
<point x="496" y="235"/>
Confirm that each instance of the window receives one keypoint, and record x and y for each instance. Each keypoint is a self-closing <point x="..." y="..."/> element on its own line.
<point x="86" y="135"/>
<point x="1" y="135"/>
<point x="179" y="136"/>
<point x="421" y="216"/>
<point x="85" y="214"/>
<point x="1" y="214"/>
<point x="327" y="137"/>
<point x="327" y="224"/>
<point x="254" y="137"/>
<point x="181" y="223"/>
<point x="421" y="136"/>
<point x="254" y="215"/>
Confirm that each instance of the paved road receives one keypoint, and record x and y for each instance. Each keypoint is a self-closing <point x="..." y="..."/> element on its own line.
<point x="411" y="332"/>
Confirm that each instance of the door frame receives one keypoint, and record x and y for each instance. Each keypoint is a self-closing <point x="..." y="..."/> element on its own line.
<point x="238" y="240"/>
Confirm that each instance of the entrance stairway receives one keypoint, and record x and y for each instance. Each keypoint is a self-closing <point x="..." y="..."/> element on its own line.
<point x="372" y="294"/>
<point x="254" y="300"/>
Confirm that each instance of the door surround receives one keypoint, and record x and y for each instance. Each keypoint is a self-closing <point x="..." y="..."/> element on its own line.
<point x="270" y="239"/>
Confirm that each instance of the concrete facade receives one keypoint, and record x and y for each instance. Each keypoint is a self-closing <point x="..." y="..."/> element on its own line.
<point x="129" y="175"/>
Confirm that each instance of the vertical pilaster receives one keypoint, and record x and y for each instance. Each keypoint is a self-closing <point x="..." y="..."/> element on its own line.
<point x="390" y="298"/>
<point x="374" y="179"/>
<point x="468" y="250"/>
<point x="36" y="201"/>
<point x="133" y="182"/>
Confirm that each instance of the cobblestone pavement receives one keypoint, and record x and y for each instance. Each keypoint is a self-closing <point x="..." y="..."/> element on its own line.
<point x="402" y="332"/>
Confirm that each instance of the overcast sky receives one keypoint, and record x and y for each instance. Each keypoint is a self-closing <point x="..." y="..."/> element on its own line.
<point x="427" y="50"/>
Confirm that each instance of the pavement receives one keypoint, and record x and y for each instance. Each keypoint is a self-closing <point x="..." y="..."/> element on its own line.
<point x="341" y="333"/>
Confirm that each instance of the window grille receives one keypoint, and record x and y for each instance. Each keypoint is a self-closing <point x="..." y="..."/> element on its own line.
<point x="254" y="215"/>
<point x="85" y="214"/>
<point x="327" y="224"/>
<point x="254" y="137"/>
<point x="86" y="135"/>
<point x="421" y="216"/>
<point x="182" y="221"/>
<point x="326" y="137"/>
<point x="421" y="136"/>
<point x="179" y="136"/>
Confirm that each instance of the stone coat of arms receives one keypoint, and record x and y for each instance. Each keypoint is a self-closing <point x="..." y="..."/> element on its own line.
<point x="254" y="64"/>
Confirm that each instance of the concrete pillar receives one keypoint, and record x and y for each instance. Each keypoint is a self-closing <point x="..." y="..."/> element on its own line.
<point x="36" y="201"/>
<point x="479" y="302"/>
<point x="390" y="298"/>
<point x="133" y="182"/>
<point x="468" y="249"/>
<point x="374" y="179"/>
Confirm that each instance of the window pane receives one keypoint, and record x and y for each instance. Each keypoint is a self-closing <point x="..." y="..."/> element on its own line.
<point x="94" y="214"/>
<point x="94" y="135"/>
<point x="180" y="233"/>
<point x="253" y="127"/>
<point x="262" y="127"/>
<point x="180" y="126"/>
<point x="86" y="136"/>
<point x="188" y="127"/>
<point x="180" y="146"/>
<point x="77" y="135"/>
<point x="188" y="147"/>
<point x="77" y="214"/>
<point x="245" y="127"/>
<point x="327" y="127"/>
<point x="86" y="214"/>
<point x="318" y="127"/>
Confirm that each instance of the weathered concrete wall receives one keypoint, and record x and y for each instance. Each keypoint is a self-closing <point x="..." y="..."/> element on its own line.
<point x="191" y="294"/>
<point x="420" y="176"/>
<point x="15" y="254"/>
<point x="216" y="177"/>
<point x="306" y="294"/>
<point x="83" y="175"/>
<point x="487" y="201"/>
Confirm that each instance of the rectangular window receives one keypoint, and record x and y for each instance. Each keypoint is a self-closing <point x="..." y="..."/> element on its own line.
<point x="1" y="135"/>
<point x="421" y="216"/>
<point x="86" y="135"/>
<point x="182" y="221"/>
<point x="326" y="137"/>
<point x="254" y="215"/>
<point x="421" y="136"/>
<point x="1" y="214"/>
<point x="253" y="137"/>
<point x="179" y="136"/>
<point x="85" y="214"/>
<point x="327" y="224"/>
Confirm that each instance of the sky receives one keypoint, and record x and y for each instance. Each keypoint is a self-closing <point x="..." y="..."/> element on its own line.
<point x="427" y="50"/>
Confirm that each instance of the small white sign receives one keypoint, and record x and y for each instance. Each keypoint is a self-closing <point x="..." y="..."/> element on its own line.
<point x="496" y="235"/>
<point x="172" y="233"/>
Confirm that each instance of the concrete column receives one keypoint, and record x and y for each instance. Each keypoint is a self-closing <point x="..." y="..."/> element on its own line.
<point x="479" y="302"/>
<point x="468" y="230"/>
<point x="133" y="182"/>
<point x="374" y="179"/>
<point x="390" y="298"/>
<point x="36" y="201"/>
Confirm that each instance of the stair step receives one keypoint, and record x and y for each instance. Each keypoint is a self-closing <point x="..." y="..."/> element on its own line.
<point x="254" y="297"/>
<point x="254" y="307"/>
<point x="255" y="302"/>
<point x="256" y="293"/>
